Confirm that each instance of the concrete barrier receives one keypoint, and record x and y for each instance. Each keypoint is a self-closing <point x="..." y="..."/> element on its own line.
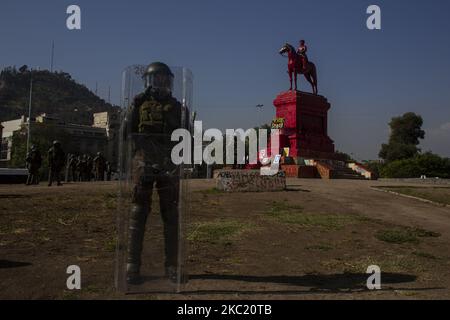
<point x="249" y="181"/>
<point x="12" y="175"/>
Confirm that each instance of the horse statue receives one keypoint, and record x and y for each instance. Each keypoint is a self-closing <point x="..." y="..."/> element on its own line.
<point x="295" y="67"/>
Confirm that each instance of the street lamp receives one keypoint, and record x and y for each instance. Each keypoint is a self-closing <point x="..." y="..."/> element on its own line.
<point x="259" y="106"/>
<point x="29" y="110"/>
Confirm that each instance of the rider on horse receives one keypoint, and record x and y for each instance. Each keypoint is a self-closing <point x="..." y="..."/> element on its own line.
<point x="302" y="49"/>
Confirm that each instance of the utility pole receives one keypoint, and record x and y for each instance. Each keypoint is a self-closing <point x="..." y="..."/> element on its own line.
<point x="29" y="111"/>
<point x="109" y="94"/>
<point x="53" y="55"/>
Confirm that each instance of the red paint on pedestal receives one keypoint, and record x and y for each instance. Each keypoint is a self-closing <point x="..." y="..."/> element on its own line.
<point x="305" y="129"/>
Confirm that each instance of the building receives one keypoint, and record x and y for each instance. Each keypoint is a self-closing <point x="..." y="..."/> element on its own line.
<point x="102" y="136"/>
<point x="1" y="139"/>
<point x="111" y="123"/>
<point x="9" y="127"/>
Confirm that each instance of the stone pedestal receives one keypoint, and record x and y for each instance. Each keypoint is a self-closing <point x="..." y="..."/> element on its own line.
<point x="305" y="129"/>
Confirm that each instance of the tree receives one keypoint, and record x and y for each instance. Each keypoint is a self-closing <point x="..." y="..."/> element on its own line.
<point x="345" y="156"/>
<point x="42" y="136"/>
<point x="53" y="93"/>
<point x="397" y="151"/>
<point x="428" y="164"/>
<point x="406" y="131"/>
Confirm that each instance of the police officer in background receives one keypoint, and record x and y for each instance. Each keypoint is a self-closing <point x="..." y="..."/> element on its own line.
<point x="108" y="171"/>
<point x="89" y="168"/>
<point x="100" y="167"/>
<point x="34" y="161"/>
<point x="149" y="123"/>
<point x="56" y="161"/>
<point x="72" y="163"/>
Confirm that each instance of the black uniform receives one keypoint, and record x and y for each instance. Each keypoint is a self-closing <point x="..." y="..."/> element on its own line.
<point x="151" y="119"/>
<point x="56" y="161"/>
<point x="34" y="162"/>
<point x="108" y="171"/>
<point x="73" y="161"/>
<point x="100" y="167"/>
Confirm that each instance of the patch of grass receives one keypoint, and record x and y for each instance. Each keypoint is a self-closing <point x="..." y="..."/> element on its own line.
<point x="110" y="245"/>
<point x="219" y="231"/>
<point x="397" y="263"/>
<point x="277" y="207"/>
<point x="110" y="200"/>
<point x="400" y="235"/>
<point x="93" y="289"/>
<point x="410" y="187"/>
<point x="320" y="247"/>
<point x="291" y="214"/>
<point x="424" y="255"/>
<point x="6" y="228"/>
<point x="211" y="191"/>
<point x="406" y="293"/>
<point x="71" y="295"/>
<point x="20" y="231"/>
<point x="439" y="195"/>
<point x="426" y="233"/>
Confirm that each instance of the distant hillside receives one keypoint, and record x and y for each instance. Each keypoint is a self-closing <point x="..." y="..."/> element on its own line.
<point x="53" y="93"/>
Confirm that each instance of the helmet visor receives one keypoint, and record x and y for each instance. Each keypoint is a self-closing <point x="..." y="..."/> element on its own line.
<point x="159" y="81"/>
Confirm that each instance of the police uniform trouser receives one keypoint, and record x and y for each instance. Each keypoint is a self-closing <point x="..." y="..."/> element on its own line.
<point x="54" y="174"/>
<point x="167" y="187"/>
<point x="32" y="176"/>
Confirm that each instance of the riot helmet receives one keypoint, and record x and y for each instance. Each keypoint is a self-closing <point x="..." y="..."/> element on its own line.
<point x="159" y="76"/>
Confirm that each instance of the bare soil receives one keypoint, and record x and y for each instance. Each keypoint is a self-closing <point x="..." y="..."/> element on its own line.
<point x="313" y="241"/>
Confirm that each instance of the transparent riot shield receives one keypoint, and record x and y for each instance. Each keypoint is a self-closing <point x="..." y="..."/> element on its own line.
<point x="153" y="202"/>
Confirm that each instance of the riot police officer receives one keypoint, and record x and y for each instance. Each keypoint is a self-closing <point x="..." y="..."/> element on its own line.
<point x="72" y="163"/>
<point x="56" y="161"/>
<point x="100" y="167"/>
<point x="149" y="122"/>
<point x="34" y="161"/>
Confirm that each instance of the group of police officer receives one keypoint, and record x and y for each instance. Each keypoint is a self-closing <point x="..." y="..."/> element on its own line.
<point x="77" y="168"/>
<point x="87" y="168"/>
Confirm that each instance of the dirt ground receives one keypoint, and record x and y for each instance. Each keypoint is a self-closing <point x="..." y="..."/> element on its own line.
<point x="312" y="241"/>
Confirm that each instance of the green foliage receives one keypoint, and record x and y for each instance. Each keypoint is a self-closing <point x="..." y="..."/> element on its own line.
<point x="438" y="195"/>
<point x="397" y="151"/>
<point x="406" y="131"/>
<point x="400" y="235"/>
<point x="428" y="164"/>
<point x="283" y="212"/>
<point x="345" y="156"/>
<point x="54" y="93"/>
<point x="221" y="231"/>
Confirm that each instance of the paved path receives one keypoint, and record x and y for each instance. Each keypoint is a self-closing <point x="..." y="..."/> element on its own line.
<point x="359" y="196"/>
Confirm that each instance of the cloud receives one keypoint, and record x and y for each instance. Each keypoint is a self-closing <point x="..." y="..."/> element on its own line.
<point x="442" y="130"/>
<point x="445" y="127"/>
<point x="438" y="140"/>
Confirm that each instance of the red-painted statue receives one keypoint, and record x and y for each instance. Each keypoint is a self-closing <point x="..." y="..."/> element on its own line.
<point x="302" y="49"/>
<point x="298" y="63"/>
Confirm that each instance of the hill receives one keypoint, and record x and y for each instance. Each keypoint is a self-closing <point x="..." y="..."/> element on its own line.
<point x="54" y="93"/>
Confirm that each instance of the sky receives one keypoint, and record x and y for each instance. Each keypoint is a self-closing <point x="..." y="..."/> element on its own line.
<point x="231" y="47"/>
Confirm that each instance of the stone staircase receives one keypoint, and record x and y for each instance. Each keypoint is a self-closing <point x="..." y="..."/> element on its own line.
<point x="347" y="173"/>
<point x="337" y="170"/>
